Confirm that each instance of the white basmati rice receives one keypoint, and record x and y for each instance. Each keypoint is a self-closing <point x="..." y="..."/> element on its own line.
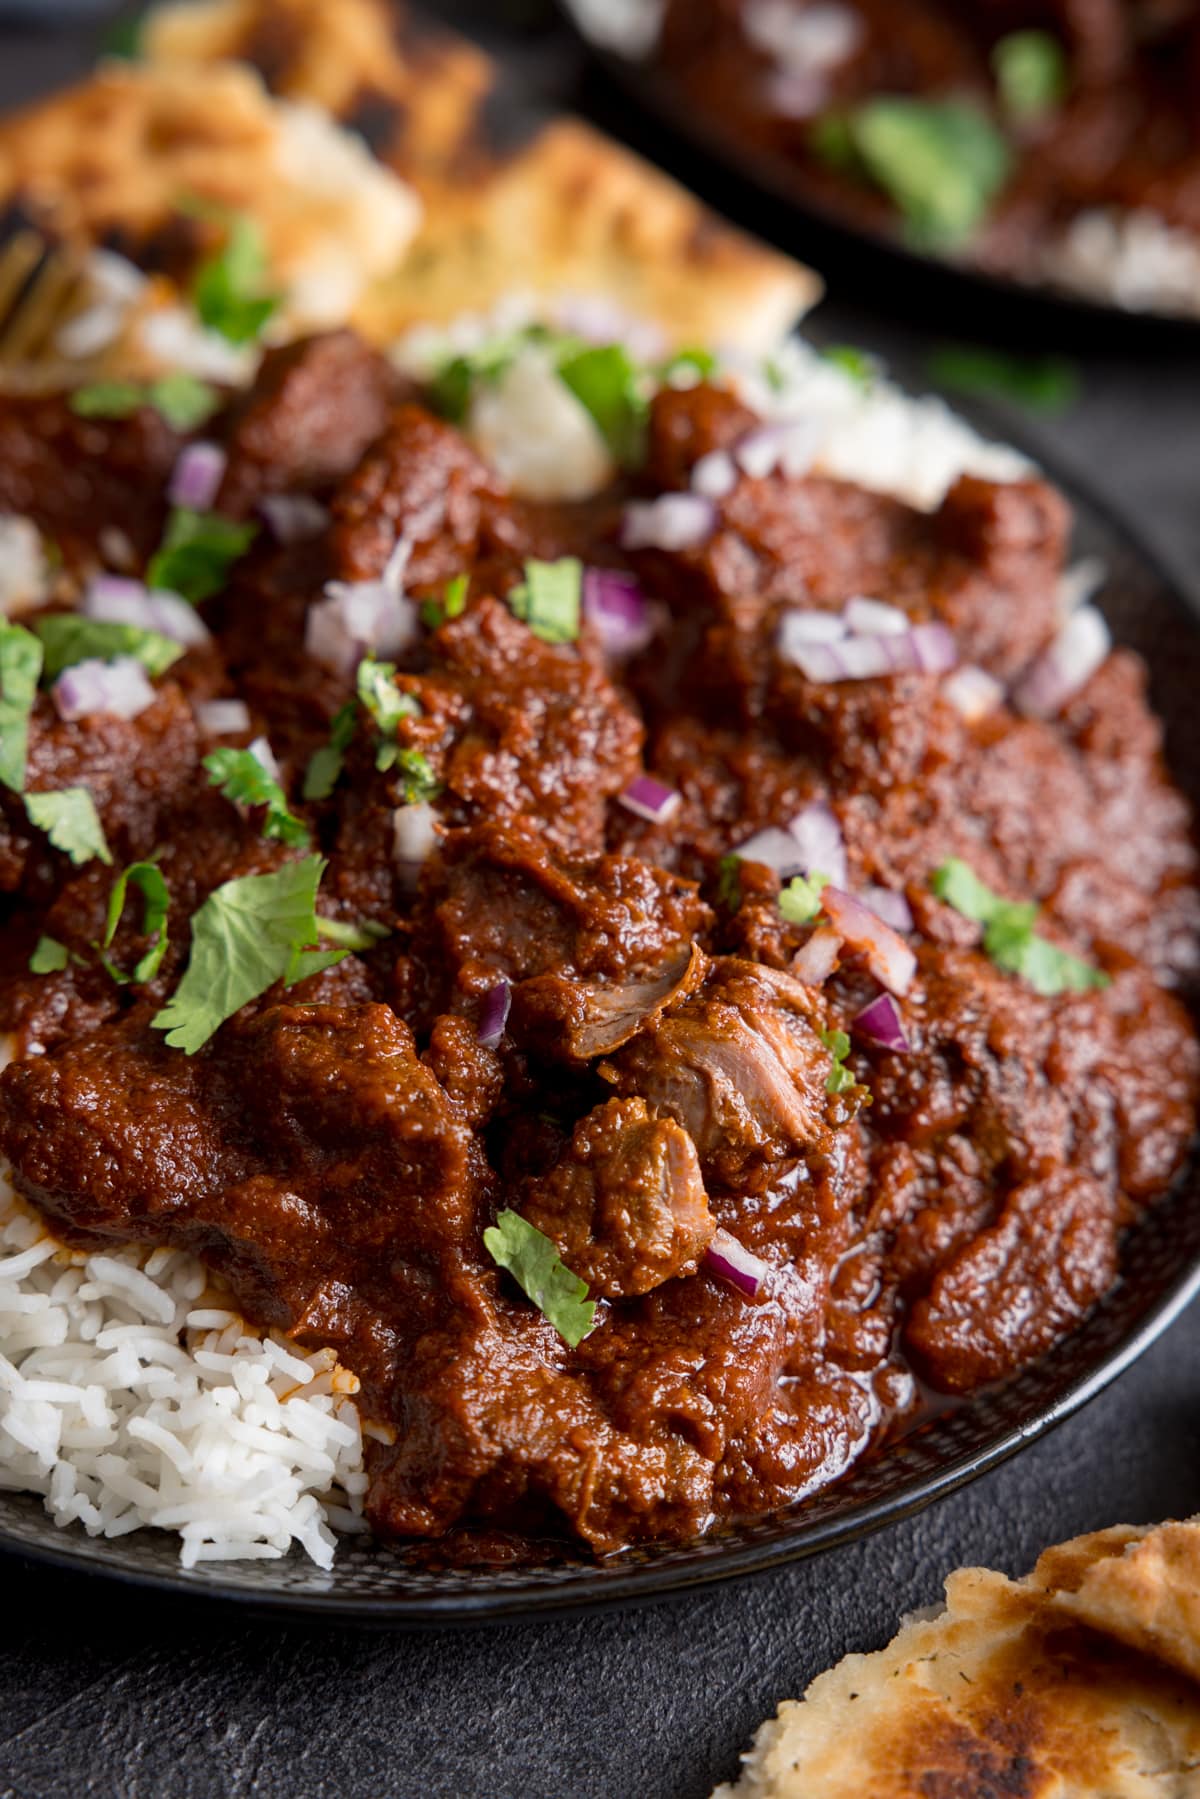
<point x="1129" y="258"/>
<point x="130" y="1395"/>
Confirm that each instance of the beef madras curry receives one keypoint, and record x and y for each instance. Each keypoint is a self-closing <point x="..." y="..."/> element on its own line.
<point x="655" y="981"/>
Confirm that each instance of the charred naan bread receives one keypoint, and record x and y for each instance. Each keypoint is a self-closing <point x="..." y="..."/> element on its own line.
<point x="1080" y="1681"/>
<point x="569" y="212"/>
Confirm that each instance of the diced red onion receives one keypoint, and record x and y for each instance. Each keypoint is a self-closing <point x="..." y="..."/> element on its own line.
<point x="972" y="692"/>
<point x="873" y="618"/>
<point x="119" y="688"/>
<point x="616" y="605"/>
<point x="728" y="1258"/>
<point x="715" y="475"/>
<point x="788" y="444"/>
<point x="357" y="618"/>
<point x="264" y="755"/>
<point x="882" y="1024"/>
<point x="774" y="849"/>
<point x="675" y="521"/>
<point x="1070" y="662"/>
<point x="119" y="601"/>
<point x="887" y="955"/>
<point x="822" y="846"/>
<point x="816" y="959"/>
<point x="889" y="905"/>
<point x="494" y="1014"/>
<point x="1079" y="583"/>
<point x="798" y="628"/>
<point x="197" y="476"/>
<point x="293" y="517"/>
<point x="414" y="832"/>
<point x="601" y="320"/>
<point x="650" y="799"/>
<point x="925" y="649"/>
<point x="223" y="718"/>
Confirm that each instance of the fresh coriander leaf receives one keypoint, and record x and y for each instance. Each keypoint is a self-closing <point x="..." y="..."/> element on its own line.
<point x="248" y="934"/>
<point x="1042" y="383"/>
<point x="729" y="883"/>
<point x="183" y="400"/>
<point x="49" y="956"/>
<point x="1031" y="74"/>
<point x="941" y="162"/>
<point x="831" y="139"/>
<point x="69" y="637"/>
<point x="800" y="900"/>
<point x="364" y="935"/>
<point x="550" y="598"/>
<point x="453" y="381"/>
<point x="605" y="381"/>
<point x="244" y="781"/>
<point x="150" y="882"/>
<point x="325" y="765"/>
<point x="838" y="1045"/>
<point x="532" y="1260"/>
<point x="420" y="782"/>
<point x="107" y="399"/>
<point x="124" y="38"/>
<point x="20" y="667"/>
<point x="228" y="291"/>
<point x="451" y="605"/>
<point x="71" y="822"/>
<point x="698" y="362"/>
<point x="387" y="705"/>
<point x="858" y="364"/>
<point x="197" y="551"/>
<point x="1008" y="934"/>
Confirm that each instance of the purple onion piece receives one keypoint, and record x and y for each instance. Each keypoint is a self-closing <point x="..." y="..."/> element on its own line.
<point x="715" y="475"/>
<point x="118" y="688"/>
<point x="118" y="601"/>
<point x="925" y="649"/>
<point x="774" y="849"/>
<point x="889" y="905"/>
<point x="650" y="799"/>
<point x="675" y="521"/>
<point x="615" y="604"/>
<point x="493" y="1015"/>
<point x="357" y="618"/>
<point x="223" y="718"/>
<point x="822" y="846"/>
<point x="414" y="833"/>
<point x="726" y="1257"/>
<point x="972" y="692"/>
<point x="816" y="959"/>
<point x="789" y="445"/>
<point x="197" y="476"/>
<point x="798" y="629"/>
<point x="887" y="955"/>
<point x="293" y="517"/>
<point x="1059" y="672"/>
<point x="881" y="1023"/>
<point x="874" y="618"/>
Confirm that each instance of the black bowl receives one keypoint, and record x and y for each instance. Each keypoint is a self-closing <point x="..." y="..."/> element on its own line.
<point x="1160" y="1275"/>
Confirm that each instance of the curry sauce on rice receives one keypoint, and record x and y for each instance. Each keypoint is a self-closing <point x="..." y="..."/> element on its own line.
<point x="615" y="894"/>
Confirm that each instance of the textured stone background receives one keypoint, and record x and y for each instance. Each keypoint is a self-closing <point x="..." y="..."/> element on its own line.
<point x="108" y="1693"/>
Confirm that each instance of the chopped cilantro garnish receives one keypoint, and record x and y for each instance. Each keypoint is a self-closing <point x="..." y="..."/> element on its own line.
<point x="607" y="382"/>
<point x="549" y="600"/>
<point x="387" y="705"/>
<point x="453" y="381"/>
<point x="71" y="822"/>
<point x="123" y="38"/>
<point x="800" y="900"/>
<point x="1008" y="934"/>
<point x="532" y="1260"/>
<point x="1042" y="383"/>
<point x="325" y="764"/>
<point x="729" y="882"/>
<point x="197" y="552"/>
<point x="248" y="934"/>
<point x="228" y="291"/>
<point x="364" y="935"/>
<point x="1031" y="74"/>
<point x="69" y="637"/>
<point x="838" y="1045"/>
<point x="451" y="605"/>
<point x="941" y="162"/>
<point x="49" y="956"/>
<point x="150" y="882"/>
<point x="20" y="667"/>
<point x="244" y="781"/>
<point x="698" y="362"/>
<point x="420" y="782"/>
<point x="182" y="399"/>
<point x="858" y="364"/>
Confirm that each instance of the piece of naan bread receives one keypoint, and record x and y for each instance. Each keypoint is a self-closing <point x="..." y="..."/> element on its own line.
<point x="567" y="213"/>
<point x="1081" y="1681"/>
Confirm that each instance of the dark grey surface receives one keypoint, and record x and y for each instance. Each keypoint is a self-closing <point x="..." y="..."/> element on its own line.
<point x="106" y="1692"/>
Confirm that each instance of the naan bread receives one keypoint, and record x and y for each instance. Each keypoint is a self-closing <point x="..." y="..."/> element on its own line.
<point x="568" y="213"/>
<point x="1081" y="1681"/>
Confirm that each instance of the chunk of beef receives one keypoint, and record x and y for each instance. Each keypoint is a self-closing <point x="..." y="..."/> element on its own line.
<point x="626" y="1207"/>
<point x="314" y="408"/>
<point x="740" y="1066"/>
